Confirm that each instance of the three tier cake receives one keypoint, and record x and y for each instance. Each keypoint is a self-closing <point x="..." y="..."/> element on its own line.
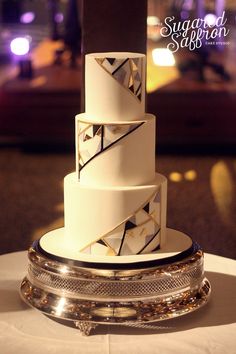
<point x="115" y="213"/>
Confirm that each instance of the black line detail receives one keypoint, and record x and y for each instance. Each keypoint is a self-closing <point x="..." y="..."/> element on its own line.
<point x="129" y="225"/>
<point x="96" y="127"/>
<point x="120" y="66"/>
<point x="146" y="207"/>
<point x="108" y="147"/>
<point x="131" y="88"/>
<point x="156" y="249"/>
<point x="145" y="246"/>
<point x="111" y="60"/>
<point x="102" y="137"/>
<point x="138" y="88"/>
<point x="122" y="241"/>
<point x="101" y="242"/>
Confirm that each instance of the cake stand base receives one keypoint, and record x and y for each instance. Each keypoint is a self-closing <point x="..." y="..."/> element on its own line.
<point x="135" y="294"/>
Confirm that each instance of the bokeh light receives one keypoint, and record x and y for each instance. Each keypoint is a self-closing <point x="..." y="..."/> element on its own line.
<point x="27" y="17"/>
<point x="175" y="177"/>
<point x="190" y="175"/>
<point x="59" y="18"/>
<point x="223" y="190"/>
<point x="20" y="46"/>
<point x="153" y="21"/>
<point x="210" y="19"/>
<point x="184" y="14"/>
<point x="163" y="57"/>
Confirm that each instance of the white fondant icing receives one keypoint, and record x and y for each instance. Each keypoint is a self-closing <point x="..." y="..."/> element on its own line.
<point x="115" y="203"/>
<point x="127" y="162"/>
<point x="93" y="212"/>
<point x="105" y="98"/>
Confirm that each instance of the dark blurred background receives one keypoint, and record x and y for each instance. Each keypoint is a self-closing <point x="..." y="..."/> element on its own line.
<point x="192" y="93"/>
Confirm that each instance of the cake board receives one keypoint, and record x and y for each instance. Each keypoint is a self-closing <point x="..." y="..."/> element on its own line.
<point x="128" y="290"/>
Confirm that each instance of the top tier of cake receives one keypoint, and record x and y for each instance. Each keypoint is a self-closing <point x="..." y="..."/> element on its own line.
<point x="123" y="98"/>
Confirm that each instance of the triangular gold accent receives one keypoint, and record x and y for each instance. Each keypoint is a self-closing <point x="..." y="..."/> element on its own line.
<point x="110" y="252"/>
<point x="100" y="60"/>
<point x="136" y="60"/>
<point x="133" y="65"/>
<point x="131" y="81"/>
<point x="87" y="137"/>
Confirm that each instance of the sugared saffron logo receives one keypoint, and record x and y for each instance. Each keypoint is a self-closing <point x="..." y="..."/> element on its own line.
<point x="193" y="33"/>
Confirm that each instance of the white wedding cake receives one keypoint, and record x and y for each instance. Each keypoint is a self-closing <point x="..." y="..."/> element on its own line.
<point x="114" y="261"/>
<point x="115" y="203"/>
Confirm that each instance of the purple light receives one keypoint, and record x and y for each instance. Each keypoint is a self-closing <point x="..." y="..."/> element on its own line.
<point x="188" y="5"/>
<point x="27" y="17"/>
<point x="184" y="15"/>
<point x="59" y="17"/>
<point x="210" y="19"/>
<point x="20" y="46"/>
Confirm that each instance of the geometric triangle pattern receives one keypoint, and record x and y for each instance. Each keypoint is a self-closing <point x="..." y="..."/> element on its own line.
<point x="93" y="139"/>
<point x="138" y="235"/>
<point x="128" y="72"/>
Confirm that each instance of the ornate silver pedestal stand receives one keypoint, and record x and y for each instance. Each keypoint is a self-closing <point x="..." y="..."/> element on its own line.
<point x="136" y="295"/>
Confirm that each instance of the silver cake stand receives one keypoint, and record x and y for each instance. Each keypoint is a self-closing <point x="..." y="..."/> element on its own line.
<point x="136" y="294"/>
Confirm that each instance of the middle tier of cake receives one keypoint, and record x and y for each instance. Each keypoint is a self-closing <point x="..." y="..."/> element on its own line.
<point x="111" y="220"/>
<point x="117" y="153"/>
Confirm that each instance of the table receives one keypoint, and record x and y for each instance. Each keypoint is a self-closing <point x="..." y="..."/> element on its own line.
<point x="211" y="329"/>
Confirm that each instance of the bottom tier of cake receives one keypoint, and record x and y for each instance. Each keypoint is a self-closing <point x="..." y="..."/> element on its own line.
<point x="115" y="220"/>
<point x="129" y="291"/>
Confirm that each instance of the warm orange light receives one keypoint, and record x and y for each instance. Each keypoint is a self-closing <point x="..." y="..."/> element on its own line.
<point x="38" y="81"/>
<point x="190" y="175"/>
<point x="175" y="177"/>
<point x="158" y="76"/>
<point x="222" y="187"/>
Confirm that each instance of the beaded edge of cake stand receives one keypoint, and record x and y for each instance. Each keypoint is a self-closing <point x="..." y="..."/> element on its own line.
<point x="131" y="297"/>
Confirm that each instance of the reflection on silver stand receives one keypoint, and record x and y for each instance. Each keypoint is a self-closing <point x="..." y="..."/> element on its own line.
<point x="133" y="297"/>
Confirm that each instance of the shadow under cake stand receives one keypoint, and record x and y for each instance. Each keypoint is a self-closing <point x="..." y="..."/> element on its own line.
<point x="128" y="290"/>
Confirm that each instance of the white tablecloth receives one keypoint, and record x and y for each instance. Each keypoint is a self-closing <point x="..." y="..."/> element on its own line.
<point x="211" y="329"/>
